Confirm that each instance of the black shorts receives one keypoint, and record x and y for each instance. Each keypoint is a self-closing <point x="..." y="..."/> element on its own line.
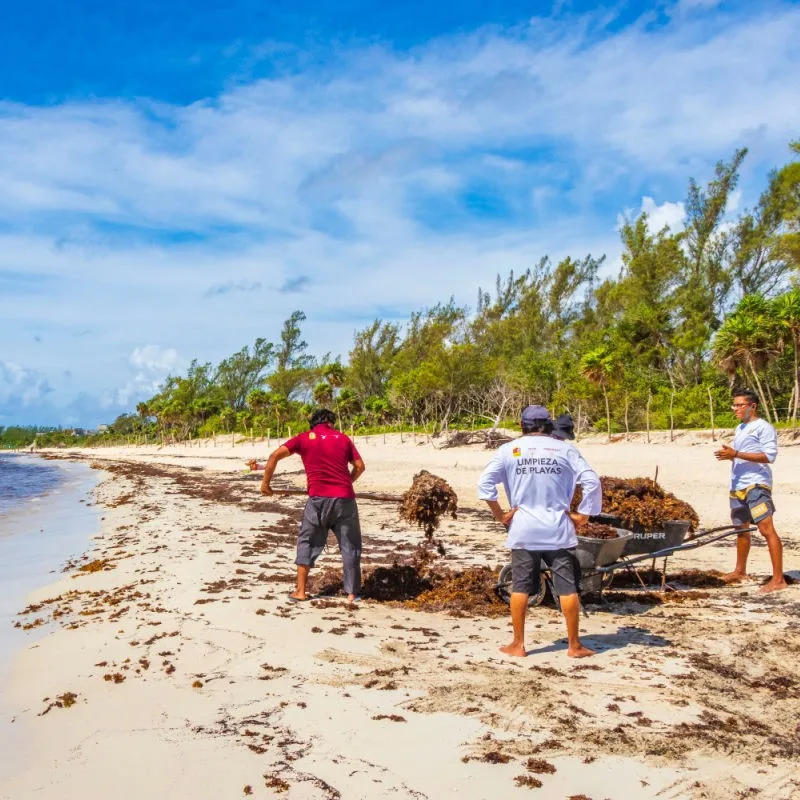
<point x="526" y="568"/>
<point x="756" y="506"/>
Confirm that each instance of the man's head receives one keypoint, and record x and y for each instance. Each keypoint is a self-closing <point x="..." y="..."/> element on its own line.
<point x="322" y="416"/>
<point x="745" y="404"/>
<point x="563" y="427"/>
<point x="536" y="419"/>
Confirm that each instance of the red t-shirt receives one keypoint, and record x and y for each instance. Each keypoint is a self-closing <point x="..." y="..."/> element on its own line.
<point x="327" y="455"/>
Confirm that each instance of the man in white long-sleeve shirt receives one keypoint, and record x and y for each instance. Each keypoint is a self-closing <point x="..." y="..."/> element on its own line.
<point x="755" y="447"/>
<point x="539" y="475"/>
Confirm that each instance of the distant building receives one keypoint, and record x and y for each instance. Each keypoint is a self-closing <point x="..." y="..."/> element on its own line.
<point x="102" y="428"/>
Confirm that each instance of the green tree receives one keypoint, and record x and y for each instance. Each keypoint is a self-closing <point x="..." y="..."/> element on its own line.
<point x="787" y="311"/>
<point x="292" y="362"/>
<point x="746" y="342"/>
<point x="598" y="367"/>
<point x="242" y="372"/>
<point x="705" y="276"/>
<point x="372" y="359"/>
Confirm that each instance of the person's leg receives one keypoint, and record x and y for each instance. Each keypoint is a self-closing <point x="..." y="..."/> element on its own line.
<point x="347" y="529"/>
<point x="525" y="576"/>
<point x="310" y="543"/>
<point x="519" y="608"/>
<point x="767" y="529"/>
<point x="302" y="580"/>
<point x="571" y="607"/>
<point x="566" y="572"/>
<point x="740" y="516"/>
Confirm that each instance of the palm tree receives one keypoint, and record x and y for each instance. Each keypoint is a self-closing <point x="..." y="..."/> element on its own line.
<point x="322" y="393"/>
<point x="747" y="341"/>
<point x="258" y="400"/>
<point x="598" y="366"/>
<point x="228" y="418"/>
<point x="787" y="311"/>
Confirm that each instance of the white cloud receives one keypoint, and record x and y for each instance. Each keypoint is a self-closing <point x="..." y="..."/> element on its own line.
<point x="21" y="386"/>
<point x="693" y="5"/>
<point x="734" y="201"/>
<point x="354" y="176"/>
<point x="669" y="215"/>
<point x="153" y="358"/>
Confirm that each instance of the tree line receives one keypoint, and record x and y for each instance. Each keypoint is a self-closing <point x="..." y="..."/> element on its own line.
<point x="658" y="345"/>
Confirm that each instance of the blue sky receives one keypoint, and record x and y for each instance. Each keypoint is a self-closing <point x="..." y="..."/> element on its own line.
<point x="176" y="179"/>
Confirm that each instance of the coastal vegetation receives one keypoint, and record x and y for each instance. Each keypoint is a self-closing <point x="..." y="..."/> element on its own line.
<point x="657" y="345"/>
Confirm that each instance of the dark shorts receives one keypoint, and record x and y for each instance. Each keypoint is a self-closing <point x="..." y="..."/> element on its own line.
<point x="755" y="507"/>
<point x="526" y="569"/>
<point x="324" y="514"/>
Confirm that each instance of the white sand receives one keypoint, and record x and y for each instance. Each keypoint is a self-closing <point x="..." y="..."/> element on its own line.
<point x="291" y="692"/>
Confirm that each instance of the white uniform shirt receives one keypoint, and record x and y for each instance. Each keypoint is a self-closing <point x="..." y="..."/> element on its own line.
<point x="757" y="436"/>
<point x="539" y="475"/>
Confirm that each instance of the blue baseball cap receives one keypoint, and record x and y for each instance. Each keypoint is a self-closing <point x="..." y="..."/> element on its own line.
<point x="531" y="414"/>
<point x="564" y="427"/>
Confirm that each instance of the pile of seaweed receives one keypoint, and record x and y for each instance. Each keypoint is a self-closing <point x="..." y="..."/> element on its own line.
<point x="420" y="584"/>
<point x="641" y="504"/>
<point x="427" y="501"/>
<point x="596" y="530"/>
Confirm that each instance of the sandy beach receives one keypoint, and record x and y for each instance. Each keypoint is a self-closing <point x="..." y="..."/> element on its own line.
<point x="177" y="668"/>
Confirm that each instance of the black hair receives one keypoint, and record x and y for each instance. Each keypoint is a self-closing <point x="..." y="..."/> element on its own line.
<point x="538" y="426"/>
<point x="748" y="394"/>
<point x="322" y="416"/>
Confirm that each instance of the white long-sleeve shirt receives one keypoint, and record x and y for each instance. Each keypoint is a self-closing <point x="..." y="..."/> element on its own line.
<point x="539" y="475"/>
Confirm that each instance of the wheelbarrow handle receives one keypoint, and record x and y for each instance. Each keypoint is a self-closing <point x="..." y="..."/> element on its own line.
<point x="700" y="540"/>
<point x="707" y="532"/>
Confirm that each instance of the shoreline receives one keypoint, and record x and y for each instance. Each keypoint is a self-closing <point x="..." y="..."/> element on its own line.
<point x="384" y="701"/>
<point x="39" y="537"/>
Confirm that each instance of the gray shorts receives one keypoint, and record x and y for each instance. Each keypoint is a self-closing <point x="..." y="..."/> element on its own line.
<point x="340" y="515"/>
<point x="526" y="570"/>
<point x="754" y="508"/>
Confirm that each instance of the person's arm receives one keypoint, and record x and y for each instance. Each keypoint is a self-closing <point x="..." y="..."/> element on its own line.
<point x="269" y="469"/>
<point x="503" y="517"/>
<point x="727" y="453"/>
<point x="487" y="490"/>
<point x="357" y="470"/>
<point x="354" y="457"/>
<point x="766" y="437"/>
<point x="592" y="500"/>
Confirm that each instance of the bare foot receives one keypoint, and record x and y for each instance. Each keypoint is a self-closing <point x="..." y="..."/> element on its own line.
<point x="774" y="586"/>
<point x="580" y="652"/>
<point x="514" y="650"/>
<point x="735" y="577"/>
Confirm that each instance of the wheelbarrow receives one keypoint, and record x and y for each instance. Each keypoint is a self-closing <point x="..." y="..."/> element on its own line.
<point x="600" y="558"/>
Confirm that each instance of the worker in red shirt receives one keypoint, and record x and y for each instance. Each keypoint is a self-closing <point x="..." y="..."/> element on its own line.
<point x="327" y="456"/>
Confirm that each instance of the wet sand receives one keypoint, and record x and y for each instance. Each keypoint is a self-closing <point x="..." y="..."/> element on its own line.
<point x="179" y="668"/>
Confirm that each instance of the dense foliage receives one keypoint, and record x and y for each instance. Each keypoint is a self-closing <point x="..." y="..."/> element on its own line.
<point x="658" y="345"/>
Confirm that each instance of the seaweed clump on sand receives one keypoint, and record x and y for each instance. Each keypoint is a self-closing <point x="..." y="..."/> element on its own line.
<point x="422" y="586"/>
<point x="596" y="530"/>
<point x="641" y="504"/>
<point x="427" y="501"/>
<point x="465" y="593"/>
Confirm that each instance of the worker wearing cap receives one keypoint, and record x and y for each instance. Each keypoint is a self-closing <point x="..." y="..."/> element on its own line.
<point x="539" y="475"/>
<point x="563" y="427"/>
<point x="327" y="456"/>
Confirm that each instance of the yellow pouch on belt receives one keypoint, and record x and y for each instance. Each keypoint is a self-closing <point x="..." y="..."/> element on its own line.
<point x="741" y="494"/>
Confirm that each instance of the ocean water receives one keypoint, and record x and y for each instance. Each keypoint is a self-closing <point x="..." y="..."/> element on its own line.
<point x="24" y="480"/>
<point x="46" y="517"/>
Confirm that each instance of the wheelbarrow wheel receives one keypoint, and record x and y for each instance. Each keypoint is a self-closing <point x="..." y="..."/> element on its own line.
<point x="503" y="588"/>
